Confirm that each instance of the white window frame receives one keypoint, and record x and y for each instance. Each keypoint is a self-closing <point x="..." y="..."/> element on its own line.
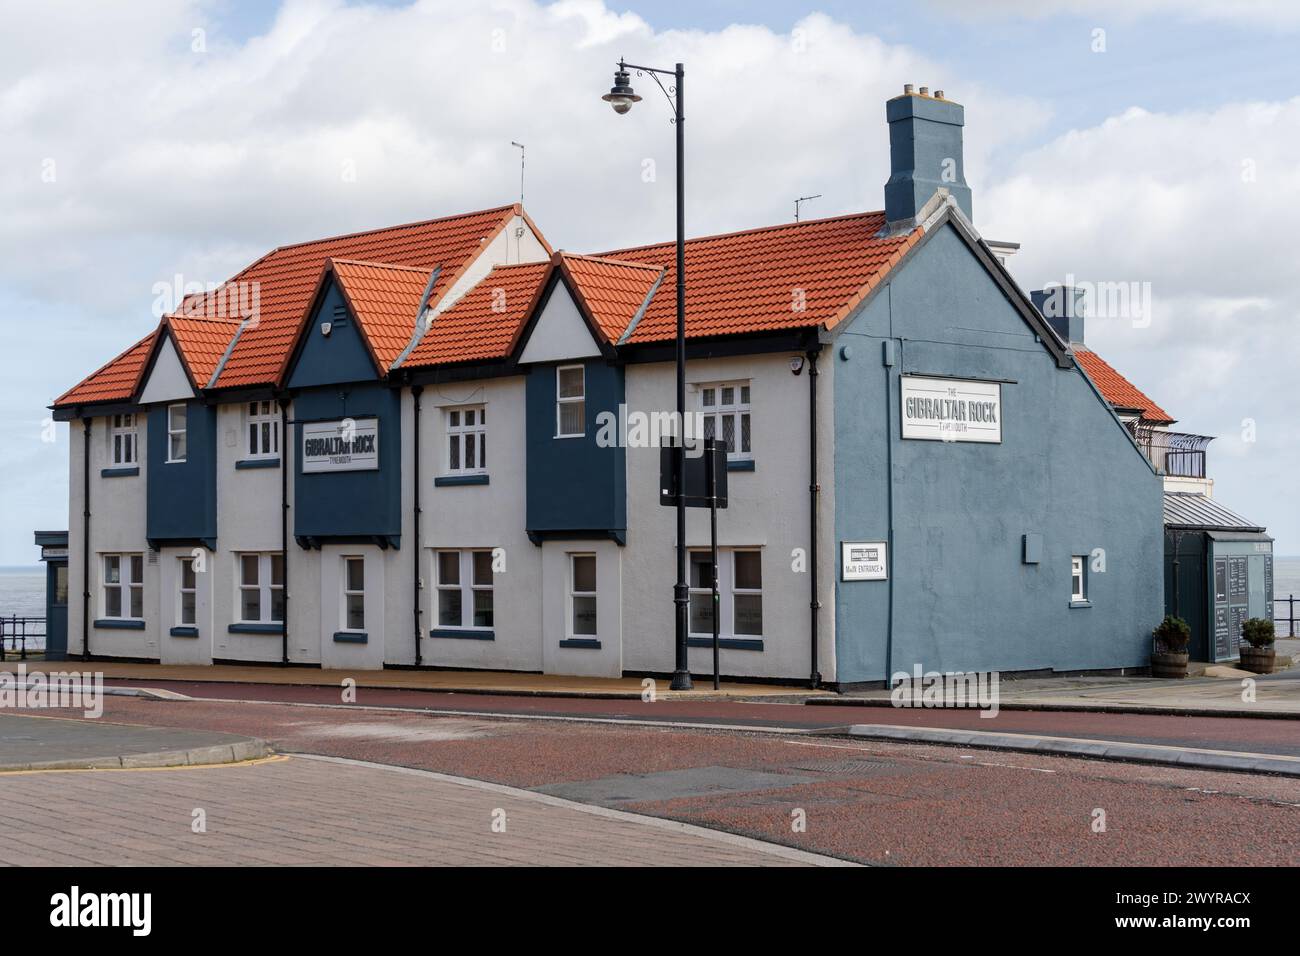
<point x="1078" y="579"/>
<point x="345" y="592"/>
<point x="173" y="432"/>
<point x="466" y="586"/>
<point x="457" y="433"/>
<point x="123" y="444"/>
<point x="126" y="586"/>
<point x="264" y="587"/>
<point x="573" y="593"/>
<point x="727" y="592"/>
<point x="560" y="402"/>
<point x="739" y="410"/>
<point x="182" y="590"/>
<point x="262" y="430"/>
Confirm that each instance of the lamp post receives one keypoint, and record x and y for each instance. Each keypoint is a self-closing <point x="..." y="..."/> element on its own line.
<point x="621" y="97"/>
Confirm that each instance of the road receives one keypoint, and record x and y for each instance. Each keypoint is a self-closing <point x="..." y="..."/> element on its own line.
<point x="866" y="801"/>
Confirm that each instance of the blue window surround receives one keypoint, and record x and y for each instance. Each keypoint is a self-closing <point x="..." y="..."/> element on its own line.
<point x="124" y="472"/>
<point x="120" y="624"/>
<point x="581" y="643"/>
<point x="1080" y="604"/>
<point x="742" y="464"/>
<point x="463" y="633"/>
<point x="256" y="628"/>
<point x="447" y="481"/>
<point x="258" y="463"/>
<point x="184" y="632"/>
<point x="350" y="637"/>
<point x="728" y="643"/>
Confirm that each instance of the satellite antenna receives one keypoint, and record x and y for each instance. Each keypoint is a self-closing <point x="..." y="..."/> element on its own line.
<point x="520" y="147"/>
<point x="803" y="199"/>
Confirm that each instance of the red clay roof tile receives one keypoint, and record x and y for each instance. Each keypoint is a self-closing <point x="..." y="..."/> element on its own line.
<point x="386" y="301"/>
<point x="1116" y="389"/>
<point x="612" y="291"/>
<point x="202" y="342"/>
<point x="114" y="382"/>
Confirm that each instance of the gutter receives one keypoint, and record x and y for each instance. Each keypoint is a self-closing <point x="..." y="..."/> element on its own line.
<point x="814" y="498"/>
<point x="416" y="391"/>
<point x="85" y="542"/>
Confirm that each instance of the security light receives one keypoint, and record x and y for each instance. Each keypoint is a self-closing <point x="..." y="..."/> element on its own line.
<point x="796" y="364"/>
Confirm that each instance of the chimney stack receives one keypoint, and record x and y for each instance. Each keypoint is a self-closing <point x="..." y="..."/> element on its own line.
<point x="925" y="153"/>
<point x="1062" y="307"/>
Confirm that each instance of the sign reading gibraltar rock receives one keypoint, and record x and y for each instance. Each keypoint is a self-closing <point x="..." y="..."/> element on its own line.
<point x="349" y="444"/>
<point x="949" y="409"/>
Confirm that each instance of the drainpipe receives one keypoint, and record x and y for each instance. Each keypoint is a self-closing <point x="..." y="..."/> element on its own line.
<point x="888" y="358"/>
<point x="85" y="541"/>
<point x="285" y="445"/>
<point x="416" y="391"/>
<point x="814" y="497"/>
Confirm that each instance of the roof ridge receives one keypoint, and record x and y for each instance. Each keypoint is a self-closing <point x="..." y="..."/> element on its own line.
<point x="400" y="225"/>
<point x="609" y="261"/>
<point x="374" y="262"/>
<point x="746" y="232"/>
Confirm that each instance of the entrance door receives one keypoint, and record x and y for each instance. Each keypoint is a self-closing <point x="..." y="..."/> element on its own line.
<point x="56" y="610"/>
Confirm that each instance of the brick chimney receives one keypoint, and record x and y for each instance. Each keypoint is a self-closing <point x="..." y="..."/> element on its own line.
<point x="925" y="153"/>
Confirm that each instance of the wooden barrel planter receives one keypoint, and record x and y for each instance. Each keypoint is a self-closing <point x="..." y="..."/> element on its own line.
<point x="1258" y="660"/>
<point x="1169" y="665"/>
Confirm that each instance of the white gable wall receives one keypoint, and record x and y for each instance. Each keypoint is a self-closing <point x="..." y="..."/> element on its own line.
<point x="167" y="381"/>
<point x="560" y="333"/>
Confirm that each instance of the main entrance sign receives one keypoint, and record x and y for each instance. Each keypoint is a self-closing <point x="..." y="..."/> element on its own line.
<point x="348" y="444"/>
<point x="950" y="409"/>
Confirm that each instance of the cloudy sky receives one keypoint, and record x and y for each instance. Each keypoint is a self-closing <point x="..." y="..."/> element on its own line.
<point x="1146" y="141"/>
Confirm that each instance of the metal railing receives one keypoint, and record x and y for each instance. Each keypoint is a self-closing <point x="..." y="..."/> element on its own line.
<point x="1290" y="620"/>
<point x="1176" y="454"/>
<point x="16" y="633"/>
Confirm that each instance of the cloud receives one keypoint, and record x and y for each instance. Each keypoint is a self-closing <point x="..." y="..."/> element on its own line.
<point x="1272" y="13"/>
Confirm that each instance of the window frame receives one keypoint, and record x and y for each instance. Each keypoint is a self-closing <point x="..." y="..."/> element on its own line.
<point x="570" y="631"/>
<point x="727" y="592"/>
<point x="346" y="592"/>
<point x="127" y="587"/>
<point x="122" y="436"/>
<point x="256" y="428"/>
<point x="181" y="590"/>
<point x="465" y="586"/>
<point x="265" y="587"/>
<point x="173" y="432"/>
<point x="457" y="433"/>
<point x="741" y="411"/>
<point x="561" y="401"/>
<point x="1079" y="573"/>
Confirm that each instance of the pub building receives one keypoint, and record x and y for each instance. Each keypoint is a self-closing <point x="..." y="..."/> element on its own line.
<point x="385" y="455"/>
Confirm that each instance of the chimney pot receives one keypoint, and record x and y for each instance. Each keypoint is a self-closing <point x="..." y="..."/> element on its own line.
<point x="925" y="91"/>
<point x="907" y="89"/>
<point x="938" y="94"/>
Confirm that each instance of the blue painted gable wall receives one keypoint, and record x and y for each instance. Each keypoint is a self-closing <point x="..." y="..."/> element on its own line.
<point x="336" y="379"/>
<point x="181" y="498"/>
<point x="1066" y="469"/>
<point x="573" y="484"/>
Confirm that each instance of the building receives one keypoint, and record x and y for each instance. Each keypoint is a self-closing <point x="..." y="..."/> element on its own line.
<point x="394" y="448"/>
<point x="1218" y="565"/>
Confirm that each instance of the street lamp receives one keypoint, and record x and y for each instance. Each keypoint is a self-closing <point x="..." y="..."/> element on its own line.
<point x="621" y="97"/>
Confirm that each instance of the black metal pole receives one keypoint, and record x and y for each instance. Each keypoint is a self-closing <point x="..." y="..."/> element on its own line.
<point x="417" y="544"/>
<point x="285" y="445"/>
<point x="814" y="493"/>
<point x="85" y="540"/>
<point x="711" y="473"/>
<point x="681" y="592"/>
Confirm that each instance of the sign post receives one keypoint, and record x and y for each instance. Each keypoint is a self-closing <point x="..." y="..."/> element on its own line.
<point x="711" y="479"/>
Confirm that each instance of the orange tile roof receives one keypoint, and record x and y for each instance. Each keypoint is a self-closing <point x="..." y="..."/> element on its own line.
<point x="202" y="342"/>
<point x="613" y="292"/>
<point x="1116" y="389"/>
<point x="114" y="382"/>
<point x="286" y="280"/>
<point x="789" y="276"/>
<point x="386" y="301"/>
<point x="482" y="324"/>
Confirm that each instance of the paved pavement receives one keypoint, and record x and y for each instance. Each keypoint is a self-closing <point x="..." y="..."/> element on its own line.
<point x="293" y="811"/>
<point x="41" y="742"/>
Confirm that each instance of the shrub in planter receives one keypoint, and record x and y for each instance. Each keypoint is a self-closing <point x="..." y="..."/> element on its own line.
<point x="1169" y="647"/>
<point x="1257" y="654"/>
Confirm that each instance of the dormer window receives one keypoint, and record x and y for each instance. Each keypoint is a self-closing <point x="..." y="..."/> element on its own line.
<point x="570" y="401"/>
<point x="176" y="419"/>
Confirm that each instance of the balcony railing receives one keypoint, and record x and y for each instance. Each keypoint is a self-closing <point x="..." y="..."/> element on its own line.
<point x="1176" y="454"/>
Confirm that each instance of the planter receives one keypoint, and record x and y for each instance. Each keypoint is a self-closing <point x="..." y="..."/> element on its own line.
<point x="1258" y="660"/>
<point x="1169" y="665"/>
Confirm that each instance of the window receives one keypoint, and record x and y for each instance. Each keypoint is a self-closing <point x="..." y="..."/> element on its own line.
<point x="726" y="410"/>
<point x="354" y="594"/>
<point x="124" y="586"/>
<point x="1078" y="580"/>
<point x="570" y="401"/>
<point x="582" y="595"/>
<point x="176" y="415"/>
<point x="464" y="588"/>
<point x="740" y="593"/>
<point x="188" y="593"/>
<point x="261" y="588"/>
<point x="263" y="430"/>
<point x="121" y="439"/>
<point x="467" y="440"/>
